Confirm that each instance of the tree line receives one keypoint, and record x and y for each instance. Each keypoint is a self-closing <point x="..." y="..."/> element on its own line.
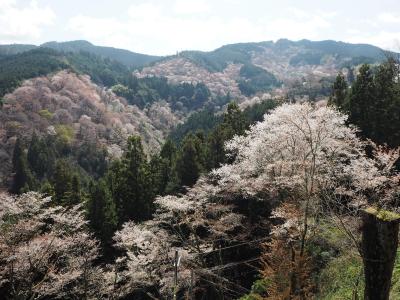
<point x="372" y="101"/>
<point x="121" y="190"/>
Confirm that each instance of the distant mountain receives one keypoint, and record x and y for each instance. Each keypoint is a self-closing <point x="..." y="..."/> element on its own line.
<point x="286" y="67"/>
<point x="301" y="53"/>
<point x="45" y="86"/>
<point x="12" y="49"/>
<point x="238" y="70"/>
<point x="126" y="57"/>
<point x="42" y="61"/>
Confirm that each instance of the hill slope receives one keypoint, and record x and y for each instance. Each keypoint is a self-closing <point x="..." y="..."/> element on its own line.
<point x="125" y="57"/>
<point x="69" y="104"/>
<point x="247" y="69"/>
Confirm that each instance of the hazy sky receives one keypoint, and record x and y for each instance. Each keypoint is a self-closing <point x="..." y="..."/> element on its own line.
<point x="166" y="26"/>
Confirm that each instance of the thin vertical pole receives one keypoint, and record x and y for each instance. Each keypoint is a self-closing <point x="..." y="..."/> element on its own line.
<point x="175" y="274"/>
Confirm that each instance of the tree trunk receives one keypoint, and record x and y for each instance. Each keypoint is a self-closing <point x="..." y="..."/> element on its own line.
<point x="379" y="246"/>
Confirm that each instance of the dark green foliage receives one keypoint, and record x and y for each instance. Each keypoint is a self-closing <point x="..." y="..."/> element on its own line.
<point x="102" y="71"/>
<point x="218" y="59"/>
<point x="92" y="159"/>
<point x="102" y="213"/>
<point x="37" y="62"/>
<point x="339" y="91"/>
<point x="360" y="103"/>
<point x="255" y="80"/>
<point x="191" y="160"/>
<point x="166" y="174"/>
<point x="62" y="182"/>
<point x="7" y="50"/>
<point x="350" y="76"/>
<point x="23" y="180"/>
<point x="130" y="182"/>
<point x="125" y="57"/>
<point x="203" y="120"/>
<point x="234" y="123"/>
<point x="87" y="158"/>
<point x="373" y="103"/>
<point x="42" y="61"/>
<point x="217" y="130"/>
<point x="256" y="112"/>
<point x="234" y="119"/>
<point x="75" y="195"/>
<point x="145" y="91"/>
<point x="41" y="156"/>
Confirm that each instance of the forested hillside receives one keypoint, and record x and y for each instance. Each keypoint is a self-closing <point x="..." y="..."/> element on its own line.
<point x="256" y="171"/>
<point x="125" y="57"/>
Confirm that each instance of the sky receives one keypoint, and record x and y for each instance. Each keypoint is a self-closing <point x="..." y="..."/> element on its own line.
<point x="162" y="27"/>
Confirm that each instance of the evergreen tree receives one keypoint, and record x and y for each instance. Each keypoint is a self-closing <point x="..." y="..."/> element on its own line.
<point x="387" y="104"/>
<point x="41" y="156"/>
<point x="361" y="101"/>
<point x="215" y="147"/>
<point x="156" y="174"/>
<point x="234" y="123"/>
<point x="130" y="182"/>
<point x="62" y="182"/>
<point x="23" y="180"/>
<point x="373" y="102"/>
<point x="102" y="213"/>
<point x="169" y="177"/>
<point x="75" y="194"/>
<point x="339" y="90"/>
<point x="350" y="75"/>
<point x="190" y="160"/>
<point x="234" y="119"/>
<point x="46" y="188"/>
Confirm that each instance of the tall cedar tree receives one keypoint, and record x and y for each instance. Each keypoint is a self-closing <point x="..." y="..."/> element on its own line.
<point x="130" y="182"/>
<point x="361" y="103"/>
<point x="190" y="161"/>
<point x="234" y="123"/>
<point x="102" y="212"/>
<point x="41" y="156"/>
<point x="339" y="91"/>
<point x="373" y="102"/>
<point x="169" y="176"/>
<point x="23" y="180"/>
<point x="62" y="182"/>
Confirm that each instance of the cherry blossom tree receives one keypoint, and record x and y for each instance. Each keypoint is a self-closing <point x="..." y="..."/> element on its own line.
<point x="46" y="251"/>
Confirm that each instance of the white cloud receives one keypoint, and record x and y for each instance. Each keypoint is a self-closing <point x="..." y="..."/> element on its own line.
<point x="155" y="29"/>
<point x="389" y="18"/>
<point x="187" y="7"/>
<point x="23" y="24"/>
<point x="384" y="39"/>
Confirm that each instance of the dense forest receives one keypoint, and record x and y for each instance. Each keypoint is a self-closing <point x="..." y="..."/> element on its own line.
<point x="275" y="199"/>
